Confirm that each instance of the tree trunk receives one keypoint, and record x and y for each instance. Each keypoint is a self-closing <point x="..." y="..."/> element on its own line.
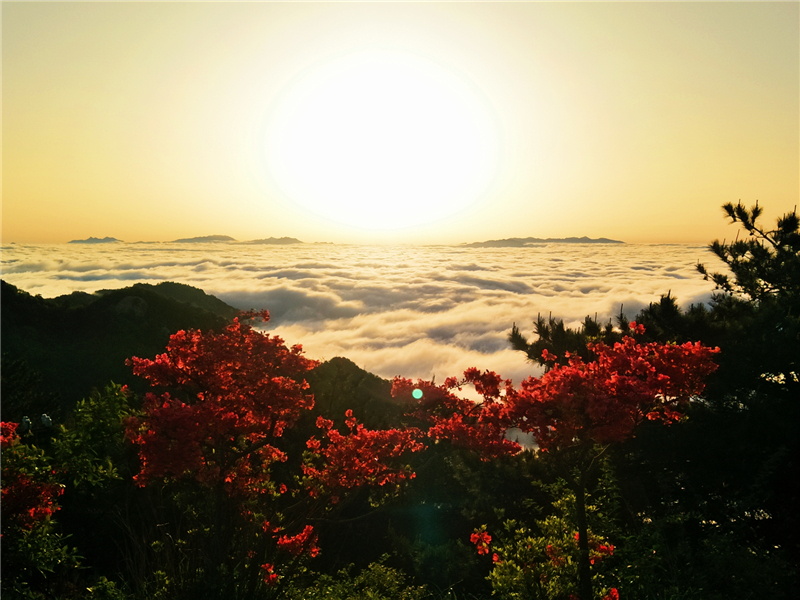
<point x="219" y="544"/>
<point x="584" y="574"/>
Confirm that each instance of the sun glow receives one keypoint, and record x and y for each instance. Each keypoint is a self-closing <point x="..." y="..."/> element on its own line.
<point x="382" y="141"/>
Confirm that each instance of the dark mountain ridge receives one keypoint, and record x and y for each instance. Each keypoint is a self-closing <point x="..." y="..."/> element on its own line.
<point x="94" y="240"/>
<point x="79" y="341"/>
<point x="532" y="241"/>
<point x="281" y="241"/>
<point x="204" y="239"/>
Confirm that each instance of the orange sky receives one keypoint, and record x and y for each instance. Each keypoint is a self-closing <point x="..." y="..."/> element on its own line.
<point x="408" y="122"/>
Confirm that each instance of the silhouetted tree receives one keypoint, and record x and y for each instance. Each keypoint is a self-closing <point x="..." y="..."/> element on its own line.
<point x="562" y="341"/>
<point x="766" y="266"/>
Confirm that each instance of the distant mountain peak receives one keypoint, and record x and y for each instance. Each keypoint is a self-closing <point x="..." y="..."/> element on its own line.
<point x="532" y="241"/>
<point x="94" y="240"/>
<point x="275" y="241"/>
<point x="204" y="238"/>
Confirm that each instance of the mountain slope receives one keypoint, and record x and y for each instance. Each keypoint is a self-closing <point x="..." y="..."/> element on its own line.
<point x="80" y="341"/>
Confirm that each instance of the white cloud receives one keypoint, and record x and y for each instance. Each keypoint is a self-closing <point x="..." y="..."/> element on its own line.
<point x="411" y="311"/>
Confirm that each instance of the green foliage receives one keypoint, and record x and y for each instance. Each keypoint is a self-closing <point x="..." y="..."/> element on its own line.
<point x="716" y="490"/>
<point x="36" y="559"/>
<point x="376" y="582"/>
<point x="91" y="449"/>
<point x="103" y="589"/>
<point x="670" y="558"/>
<point x="443" y="565"/>
<point x="541" y="562"/>
<point x="37" y="563"/>
<point x="755" y="319"/>
<point x="23" y="458"/>
<point x="80" y="460"/>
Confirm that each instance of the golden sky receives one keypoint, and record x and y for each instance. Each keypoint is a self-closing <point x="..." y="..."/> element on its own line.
<point x="396" y="122"/>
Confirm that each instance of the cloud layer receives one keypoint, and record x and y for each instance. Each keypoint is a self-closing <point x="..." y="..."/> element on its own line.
<point x="412" y="311"/>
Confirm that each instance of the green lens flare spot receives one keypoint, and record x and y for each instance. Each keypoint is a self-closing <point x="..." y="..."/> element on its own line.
<point x="417" y="393"/>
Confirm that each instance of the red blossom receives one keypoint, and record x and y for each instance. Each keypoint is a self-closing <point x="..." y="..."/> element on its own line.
<point x="481" y="539"/>
<point x="604" y="400"/>
<point x="323" y="423"/>
<point x="300" y="543"/>
<point x="25" y="501"/>
<point x="597" y="551"/>
<point x="480" y="426"/>
<point x="549" y="357"/>
<point x="239" y="390"/>
<point x="600" y="401"/>
<point x="600" y="551"/>
<point x="270" y="577"/>
<point x="361" y="457"/>
<point x="8" y="434"/>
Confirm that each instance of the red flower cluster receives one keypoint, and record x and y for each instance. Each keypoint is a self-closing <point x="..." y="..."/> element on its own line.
<point x="270" y="576"/>
<point x="597" y="550"/>
<point x="300" y="543"/>
<point x="600" y="401"/>
<point x="359" y="457"/>
<point x="239" y="390"/>
<point x="600" y="551"/>
<point x="8" y="434"/>
<point x="604" y="400"/>
<point x="25" y="501"/>
<point x="482" y="539"/>
<point x="225" y="402"/>
<point x="478" y="426"/>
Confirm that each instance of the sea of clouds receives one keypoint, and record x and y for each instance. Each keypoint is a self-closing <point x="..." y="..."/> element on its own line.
<point x="416" y="311"/>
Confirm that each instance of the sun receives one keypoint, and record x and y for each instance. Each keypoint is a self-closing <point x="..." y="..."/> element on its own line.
<point x="382" y="140"/>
